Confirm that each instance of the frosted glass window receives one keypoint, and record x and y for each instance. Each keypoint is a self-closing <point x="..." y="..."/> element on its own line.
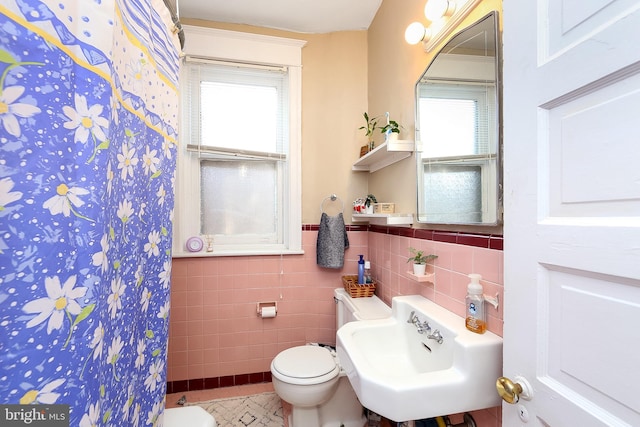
<point x="453" y="193"/>
<point x="238" y="198"/>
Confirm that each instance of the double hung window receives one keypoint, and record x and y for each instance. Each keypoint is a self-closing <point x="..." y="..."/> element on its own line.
<point x="239" y="180"/>
<point x="459" y="161"/>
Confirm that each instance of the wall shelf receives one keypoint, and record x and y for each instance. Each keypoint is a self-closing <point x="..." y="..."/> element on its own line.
<point x="429" y="277"/>
<point x="397" y="219"/>
<point x="384" y="155"/>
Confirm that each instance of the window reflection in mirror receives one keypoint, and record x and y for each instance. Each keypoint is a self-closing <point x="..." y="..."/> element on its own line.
<point x="457" y="125"/>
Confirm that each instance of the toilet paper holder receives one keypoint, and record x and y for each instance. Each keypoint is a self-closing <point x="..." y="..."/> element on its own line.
<point x="264" y="307"/>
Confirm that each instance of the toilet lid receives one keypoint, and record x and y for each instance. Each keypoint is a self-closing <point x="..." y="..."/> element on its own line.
<point x="307" y="361"/>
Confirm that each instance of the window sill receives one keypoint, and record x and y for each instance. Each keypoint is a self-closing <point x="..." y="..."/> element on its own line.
<point x="219" y="253"/>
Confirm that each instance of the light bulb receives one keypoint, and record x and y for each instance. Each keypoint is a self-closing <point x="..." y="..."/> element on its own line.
<point x="415" y="33"/>
<point x="436" y="9"/>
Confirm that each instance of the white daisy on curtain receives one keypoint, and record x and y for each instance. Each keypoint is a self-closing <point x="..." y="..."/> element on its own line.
<point x="85" y="120"/>
<point x="115" y="297"/>
<point x="92" y="418"/>
<point x="151" y="247"/>
<point x="59" y="301"/>
<point x="10" y="110"/>
<point x="127" y="161"/>
<point x="45" y="395"/>
<point x="66" y="199"/>
<point x="6" y="195"/>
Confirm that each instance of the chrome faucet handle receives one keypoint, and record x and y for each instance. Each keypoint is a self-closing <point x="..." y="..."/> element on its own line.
<point x="423" y="327"/>
<point x="437" y="336"/>
<point x="413" y="318"/>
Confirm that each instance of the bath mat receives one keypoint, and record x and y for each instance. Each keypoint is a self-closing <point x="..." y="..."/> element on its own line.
<point x="258" y="410"/>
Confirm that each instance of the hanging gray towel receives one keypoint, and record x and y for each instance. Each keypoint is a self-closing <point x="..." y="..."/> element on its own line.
<point x="332" y="241"/>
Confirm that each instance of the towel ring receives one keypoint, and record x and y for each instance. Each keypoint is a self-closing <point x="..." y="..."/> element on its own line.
<point x="333" y="198"/>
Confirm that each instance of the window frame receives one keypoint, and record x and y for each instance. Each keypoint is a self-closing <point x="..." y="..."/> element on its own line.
<point x="236" y="47"/>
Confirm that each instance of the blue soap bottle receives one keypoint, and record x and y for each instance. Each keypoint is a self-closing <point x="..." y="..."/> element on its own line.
<point x="361" y="270"/>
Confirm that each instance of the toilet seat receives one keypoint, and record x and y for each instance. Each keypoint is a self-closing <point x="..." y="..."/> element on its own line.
<point x="305" y="365"/>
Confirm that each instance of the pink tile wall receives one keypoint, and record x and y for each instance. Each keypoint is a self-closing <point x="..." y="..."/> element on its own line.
<point x="215" y="335"/>
<point x="214" y="330"/>
<point x="389" y="253"/>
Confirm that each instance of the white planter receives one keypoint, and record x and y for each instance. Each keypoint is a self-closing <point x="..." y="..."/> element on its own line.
<point x="419" y="269"/>
<point x="368" y="209"/>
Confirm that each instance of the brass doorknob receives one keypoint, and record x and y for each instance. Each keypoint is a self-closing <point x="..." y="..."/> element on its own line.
<point x="508" y="390"/>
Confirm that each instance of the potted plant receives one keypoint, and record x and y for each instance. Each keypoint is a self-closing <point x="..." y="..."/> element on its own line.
<point x="371" y="124"/>
<point x="368" y="203"/>
<point x="391" y="130"/>
<point x="419" y="260"/>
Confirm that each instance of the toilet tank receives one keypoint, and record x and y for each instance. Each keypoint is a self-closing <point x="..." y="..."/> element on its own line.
<point x="352" y="309"/>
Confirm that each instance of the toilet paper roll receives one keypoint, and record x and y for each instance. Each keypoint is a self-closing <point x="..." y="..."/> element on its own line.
<point x="266" y="312"/>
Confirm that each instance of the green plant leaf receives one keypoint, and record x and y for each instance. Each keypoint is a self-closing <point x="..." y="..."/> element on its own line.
<point x="149" y="334"/>
<point x="103" y="145"/>
<point x="6" y="57"/>
<point x="84" y="313"/>
<point x="106" y="416"/>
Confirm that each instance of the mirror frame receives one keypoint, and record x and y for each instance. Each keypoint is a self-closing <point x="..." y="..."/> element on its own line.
<point x="498" y="127"/>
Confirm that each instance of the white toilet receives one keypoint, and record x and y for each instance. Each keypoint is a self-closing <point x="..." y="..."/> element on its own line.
<point x="310" y="378"/>
<point x="191" y="416"/>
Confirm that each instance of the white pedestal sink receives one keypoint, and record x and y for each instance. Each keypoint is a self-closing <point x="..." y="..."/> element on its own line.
<point x="401" y="374"/>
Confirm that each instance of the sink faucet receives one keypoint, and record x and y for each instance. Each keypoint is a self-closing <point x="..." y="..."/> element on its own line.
<point x="422" y="326"/>
<point x="436" y="335"/>
<point x="413" y="319"/>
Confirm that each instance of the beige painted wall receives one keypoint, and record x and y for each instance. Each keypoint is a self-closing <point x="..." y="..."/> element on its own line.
<point x="343" y="75"/>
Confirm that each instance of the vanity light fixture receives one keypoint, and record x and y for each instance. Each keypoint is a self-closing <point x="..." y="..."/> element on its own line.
<point x="416" y="33"/>
<point x="444" y="15"/>
<point x="436" y="9"/>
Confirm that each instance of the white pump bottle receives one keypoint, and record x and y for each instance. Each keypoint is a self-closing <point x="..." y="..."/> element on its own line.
<point x="475" y="309"/>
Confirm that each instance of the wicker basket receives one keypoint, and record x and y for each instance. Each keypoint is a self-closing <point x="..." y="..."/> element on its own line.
<point x="357" y="291"/>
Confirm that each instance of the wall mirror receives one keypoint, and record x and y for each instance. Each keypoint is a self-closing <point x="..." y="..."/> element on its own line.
<point x="457" y="125"/>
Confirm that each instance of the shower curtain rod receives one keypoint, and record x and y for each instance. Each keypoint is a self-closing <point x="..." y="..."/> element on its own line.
<point x="173" y="7"/>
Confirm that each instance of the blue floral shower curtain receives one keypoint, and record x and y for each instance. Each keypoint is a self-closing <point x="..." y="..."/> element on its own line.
<point x="88" y="119"/>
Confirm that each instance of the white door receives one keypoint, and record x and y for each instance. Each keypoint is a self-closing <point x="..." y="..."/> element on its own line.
<point x="572" y="211"/>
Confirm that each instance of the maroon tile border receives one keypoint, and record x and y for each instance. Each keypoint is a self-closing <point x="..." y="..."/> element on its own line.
<point x="489" y="241"/>
<point x="217" y="382"/>
<point x="349" y="227"/>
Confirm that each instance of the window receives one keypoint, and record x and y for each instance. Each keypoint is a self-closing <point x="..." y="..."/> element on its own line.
<point x="239" y="175"/>
<point x="455" y="113"/>
<point x="458" y="159"/>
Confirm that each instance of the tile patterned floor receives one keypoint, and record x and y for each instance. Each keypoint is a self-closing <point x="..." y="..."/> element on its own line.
<point x="218" y="393"/>
<point x="224" y="392"/>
